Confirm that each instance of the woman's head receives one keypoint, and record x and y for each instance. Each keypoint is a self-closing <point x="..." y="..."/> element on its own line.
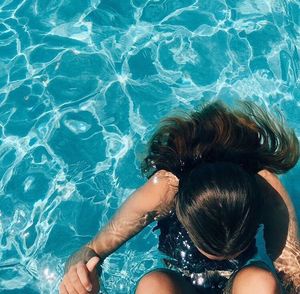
<point x="218" y="204"/>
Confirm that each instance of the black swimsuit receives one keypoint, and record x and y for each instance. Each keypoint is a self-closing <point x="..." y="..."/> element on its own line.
<point x="185" y="258"/>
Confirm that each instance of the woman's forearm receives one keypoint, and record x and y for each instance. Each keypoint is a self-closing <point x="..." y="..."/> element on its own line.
<point x="124" y="225"/>
<point x="120" y="229"/>
<point x="150" y="202"/>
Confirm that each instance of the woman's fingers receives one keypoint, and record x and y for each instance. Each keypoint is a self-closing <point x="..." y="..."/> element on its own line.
<point x="69" y="286"/>
<point x="73" y="283"/>
<point x="83" y="274"/>
<point x="81" y="278"/>
<point x="92" y="263"/>
<point x="62" y="289"/>
<point x="93" y="274"/>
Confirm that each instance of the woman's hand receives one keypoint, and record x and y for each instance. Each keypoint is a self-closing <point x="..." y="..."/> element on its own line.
<point x="81" y="278"/>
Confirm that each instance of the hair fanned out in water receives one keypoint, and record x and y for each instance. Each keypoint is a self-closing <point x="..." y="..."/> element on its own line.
<point x="248" y="136"/>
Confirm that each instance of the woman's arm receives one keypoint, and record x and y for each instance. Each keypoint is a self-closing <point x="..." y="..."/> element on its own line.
<point x="152" y="201"/>
<point x="281" y="230"/>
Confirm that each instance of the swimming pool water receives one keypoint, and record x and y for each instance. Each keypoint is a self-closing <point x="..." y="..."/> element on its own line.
<point x="83" y="84"/>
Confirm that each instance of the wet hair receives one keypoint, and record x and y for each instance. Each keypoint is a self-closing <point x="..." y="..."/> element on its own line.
<point x="247" y="135"/>
<point x="219" y="205"/>
<point x="216" y="152"/>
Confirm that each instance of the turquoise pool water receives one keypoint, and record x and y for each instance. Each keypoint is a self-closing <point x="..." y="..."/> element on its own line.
<point x="82" y="86"/>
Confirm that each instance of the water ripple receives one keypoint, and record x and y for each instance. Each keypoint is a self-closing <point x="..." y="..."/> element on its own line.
<point x="83" y="84"/>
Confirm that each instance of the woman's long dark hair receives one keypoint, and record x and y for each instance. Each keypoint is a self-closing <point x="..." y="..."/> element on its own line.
<point x="219" y="205"/>
<point x="248" y="136"/>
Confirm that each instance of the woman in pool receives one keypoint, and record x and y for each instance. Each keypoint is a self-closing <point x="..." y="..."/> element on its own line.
<point x="226" y="221"/>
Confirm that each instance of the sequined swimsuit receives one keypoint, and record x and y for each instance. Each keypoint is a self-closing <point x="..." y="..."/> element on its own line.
<point x="184" y="257"/>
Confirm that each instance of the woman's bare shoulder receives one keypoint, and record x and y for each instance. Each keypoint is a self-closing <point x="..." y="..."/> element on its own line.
<point x="270" y="177"/>
<point x="276" y="184"/>
<point x="164" y="185"/>
<point x="164" y="175"/>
